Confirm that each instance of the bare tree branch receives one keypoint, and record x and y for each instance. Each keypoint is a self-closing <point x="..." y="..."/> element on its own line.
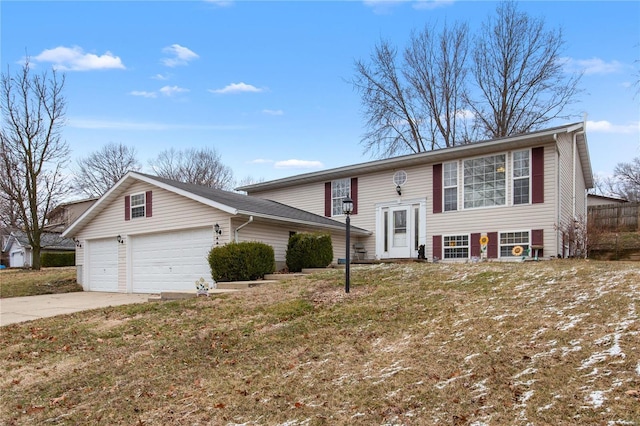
<point x="99" y="171"/>
<point x="518" y="71"/>
<point x="201" y="167"/>
<point x="31" y="149"/>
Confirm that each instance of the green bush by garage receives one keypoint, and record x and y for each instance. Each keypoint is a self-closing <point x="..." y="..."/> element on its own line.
<point x="241" y="261"/>
<point x="309" y="250"/>
<point x="56" y="259"/>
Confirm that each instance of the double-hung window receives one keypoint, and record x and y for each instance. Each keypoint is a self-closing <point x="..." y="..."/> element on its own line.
<point x="484" y="182"/>
<point x="509" y="240"/>
<point x="450" y="186"/>
<point x="138" y="205"/>
<point x="521" y="169"/>
<point x="456" y="246"/>
<point x="340" y="189"/>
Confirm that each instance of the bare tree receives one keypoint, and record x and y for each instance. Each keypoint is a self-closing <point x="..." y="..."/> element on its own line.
<point x="393" y="118"/>
<point x="32" y="152"/>
<point x="625" y="182"/>
<point x="99" y="171"/>
<point x="198" y="166"/>
<point x="518" y="70"/>
<point x="436" y="72"/>
<point x="445" y="94"/>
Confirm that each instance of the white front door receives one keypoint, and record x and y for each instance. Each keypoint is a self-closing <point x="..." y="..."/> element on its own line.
<point x="399" y="235"/>
<point x="399" y="229"/>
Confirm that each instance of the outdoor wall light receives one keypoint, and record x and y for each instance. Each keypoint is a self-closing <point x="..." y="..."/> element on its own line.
<point x="77" y="241"/>
<point x="399" y="190"/>
<point x="120" y="239"/>
<point x="218" y="232"/>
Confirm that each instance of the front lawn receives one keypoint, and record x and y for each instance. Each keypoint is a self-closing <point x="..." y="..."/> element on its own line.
<point x="541" y="343"/>
<point x="25" y="282"/>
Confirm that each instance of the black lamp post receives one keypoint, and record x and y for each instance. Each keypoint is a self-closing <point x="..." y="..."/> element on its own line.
<point x="347" y="208"/>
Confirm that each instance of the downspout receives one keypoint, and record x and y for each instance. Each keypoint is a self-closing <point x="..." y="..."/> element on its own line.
<point x="558" y="198"/>
<point x="240" y="227"/>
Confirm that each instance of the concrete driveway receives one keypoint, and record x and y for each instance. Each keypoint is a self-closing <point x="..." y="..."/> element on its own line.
<point x="20" y="309"/>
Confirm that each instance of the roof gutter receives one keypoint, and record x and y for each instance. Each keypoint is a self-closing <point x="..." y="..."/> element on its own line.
<point x="240" y="227"/>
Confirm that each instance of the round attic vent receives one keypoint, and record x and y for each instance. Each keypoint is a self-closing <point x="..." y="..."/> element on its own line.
<point x="399" y="177"/>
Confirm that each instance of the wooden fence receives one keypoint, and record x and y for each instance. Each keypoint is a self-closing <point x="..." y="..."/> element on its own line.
<point x="615" y="217"/>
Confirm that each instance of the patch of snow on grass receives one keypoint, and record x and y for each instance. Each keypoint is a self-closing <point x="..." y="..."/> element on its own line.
<point x="470" y="357"/>
<point x="614" y="351"/>
<point x="573" y="320"/>
<point x="526" y="371"/>
<point x="596" y="398"/>
<point x="638" y="368"/>
<point x="545" y="407"/>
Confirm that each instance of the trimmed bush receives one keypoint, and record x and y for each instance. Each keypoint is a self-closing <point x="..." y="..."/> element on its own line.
<point x="52" y="259"/>
<point x="241" y="261"/>
<point x="309" y="250"/>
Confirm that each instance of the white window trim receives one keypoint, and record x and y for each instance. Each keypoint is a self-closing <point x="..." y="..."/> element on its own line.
<point x="143" y="205"/>
<point x="333" y="200"/>
<point x="457" y="187"/>
<point x="468" y="246"/>
<point x="513" y="178"/>
<point x="500" y="245"/>
<point x="506" y="182"/>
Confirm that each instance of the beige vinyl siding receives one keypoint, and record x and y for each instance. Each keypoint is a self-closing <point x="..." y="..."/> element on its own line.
<point x="277" y="236"/>
<point x="170" y="211"/>
<point x="309" y="197"/>
<point x="523" y="217"/>
<point x="378" y="188"/>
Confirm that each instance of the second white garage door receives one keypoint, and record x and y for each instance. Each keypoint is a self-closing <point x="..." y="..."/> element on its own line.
<point x="170" y="261"/>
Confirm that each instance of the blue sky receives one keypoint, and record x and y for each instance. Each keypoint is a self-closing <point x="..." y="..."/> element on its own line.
<point x="267" y="83"/>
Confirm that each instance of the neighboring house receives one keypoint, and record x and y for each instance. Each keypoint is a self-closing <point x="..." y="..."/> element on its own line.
<point x="482" y="200"/>
<point x="20" y="251"/>
<point x="64" y="214"/>
<point x="507" y="192"/>
<point x="603" y="200"/>
<point x="148" y="234"/>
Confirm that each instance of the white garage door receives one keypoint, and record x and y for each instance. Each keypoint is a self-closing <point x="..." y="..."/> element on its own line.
<point x="171" y="260"/>
<point x="103" y="265"/>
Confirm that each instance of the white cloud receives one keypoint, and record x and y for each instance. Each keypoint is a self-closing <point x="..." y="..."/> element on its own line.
<point x="172" y="90"/>
<point x="604" y="126"/>
<point x="87" y="123"/>
<point x="592" y="66"/>
<point x="74" y="59"/>
<point x="260" y="161"/>
<point x="143" y="94"/>
<point x="161" y="77"/>
<point x="220" y="3"/>
<point x="237" y="88"/>
<point x="273" y="111"/>
<point x="178" y="55"/>
<point x="298" y="164"/>
<point x="431" y="4"/>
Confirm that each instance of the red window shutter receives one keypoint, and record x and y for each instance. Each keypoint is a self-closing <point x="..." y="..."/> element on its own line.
<point x="537" y="239"/>
<point x="127" y="207"/>
<point x="327" y="199"/>
<point x="475" y="245"/>
<point x="437" y="188"/>
<point x="537" y="175"/>
<point x="354" y="194"/>
<point x="437" y="246"/>
<point x="148" y="203"/>
<point x="492" y="245"/>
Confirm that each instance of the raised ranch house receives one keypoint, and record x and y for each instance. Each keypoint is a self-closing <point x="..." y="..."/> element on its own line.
<point x="489" y="199"/>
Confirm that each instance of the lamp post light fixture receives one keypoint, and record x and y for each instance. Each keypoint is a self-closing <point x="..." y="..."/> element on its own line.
<point x="347" y="209"/>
